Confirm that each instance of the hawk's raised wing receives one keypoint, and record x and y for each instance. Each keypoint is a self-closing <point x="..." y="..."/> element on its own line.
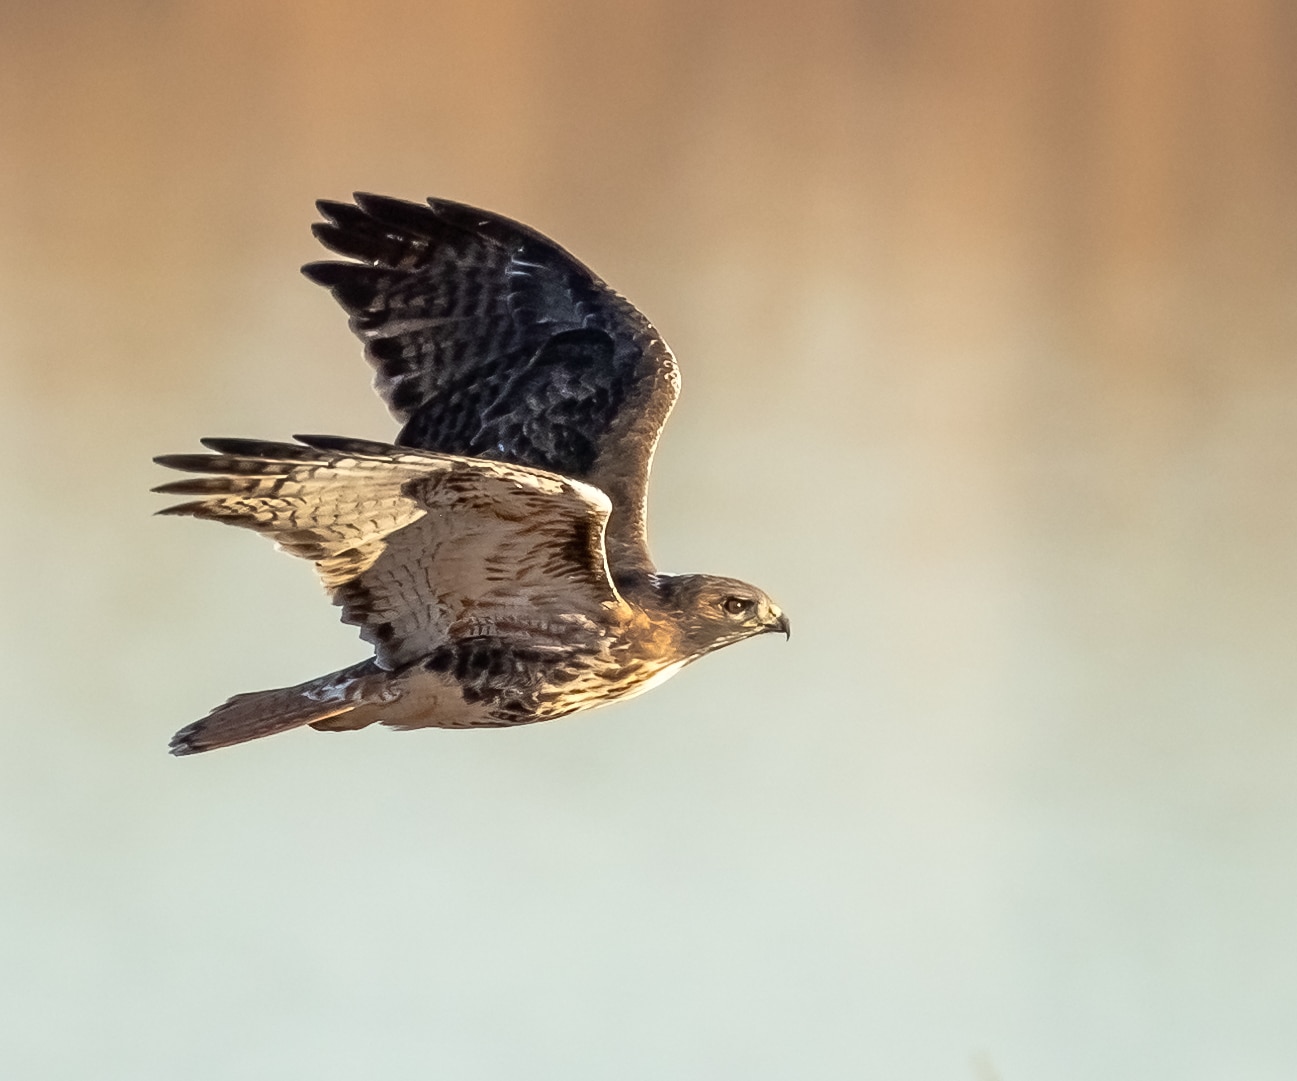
<point x="418" y="547"/>
<point x="491" y="341"/>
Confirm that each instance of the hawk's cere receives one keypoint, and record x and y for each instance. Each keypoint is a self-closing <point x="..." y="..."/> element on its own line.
<point x="496" y="555"/>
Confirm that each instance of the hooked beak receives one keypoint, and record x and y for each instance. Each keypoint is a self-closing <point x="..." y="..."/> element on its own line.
<point x="782" y="625"/>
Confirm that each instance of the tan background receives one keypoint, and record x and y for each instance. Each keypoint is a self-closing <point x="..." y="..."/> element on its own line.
<point x="987" y="314"/>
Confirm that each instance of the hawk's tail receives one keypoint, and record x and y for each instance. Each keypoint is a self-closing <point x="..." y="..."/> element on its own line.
<point x="263" y="713"/>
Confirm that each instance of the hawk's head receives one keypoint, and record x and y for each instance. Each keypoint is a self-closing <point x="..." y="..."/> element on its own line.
<point x="713" y="612"/>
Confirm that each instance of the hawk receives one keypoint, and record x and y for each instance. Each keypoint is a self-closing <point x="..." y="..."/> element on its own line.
<point x="495" y="556"/>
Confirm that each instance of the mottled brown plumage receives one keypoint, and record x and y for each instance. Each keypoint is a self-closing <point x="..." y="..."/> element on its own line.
<point x="496" y="557"/>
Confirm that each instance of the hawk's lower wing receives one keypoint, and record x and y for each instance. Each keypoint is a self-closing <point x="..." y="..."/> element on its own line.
<point x="418" y="548"/>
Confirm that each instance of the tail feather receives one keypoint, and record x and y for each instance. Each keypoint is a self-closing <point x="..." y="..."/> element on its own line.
<point x="264" y="713"/>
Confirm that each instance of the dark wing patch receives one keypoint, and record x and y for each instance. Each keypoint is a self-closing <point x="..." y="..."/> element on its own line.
<point x="489" y="340"/>
<point x="547" y="414"/>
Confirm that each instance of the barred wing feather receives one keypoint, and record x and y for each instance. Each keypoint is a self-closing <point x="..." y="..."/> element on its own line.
<point x="417" y="547"/>
<point x="491" y="341"/>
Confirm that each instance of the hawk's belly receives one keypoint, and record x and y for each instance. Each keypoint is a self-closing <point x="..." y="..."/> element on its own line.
<point x="609" y="684"/>
<point x="488" y="683"/>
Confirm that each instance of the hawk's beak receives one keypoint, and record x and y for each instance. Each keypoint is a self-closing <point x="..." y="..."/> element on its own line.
<point x="781" y="624"/>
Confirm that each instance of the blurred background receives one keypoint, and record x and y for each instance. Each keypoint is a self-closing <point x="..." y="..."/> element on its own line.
<point x="987" y="316"/>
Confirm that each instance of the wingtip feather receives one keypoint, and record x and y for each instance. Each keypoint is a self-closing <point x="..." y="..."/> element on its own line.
<point x="343" y="444"/>
<point x="327" y="272"/>
<point x="180" y="510"/>
<point x="332" y="209"/>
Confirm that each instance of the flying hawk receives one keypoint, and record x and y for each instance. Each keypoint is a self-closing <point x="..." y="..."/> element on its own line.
<point x="495" y="556"/>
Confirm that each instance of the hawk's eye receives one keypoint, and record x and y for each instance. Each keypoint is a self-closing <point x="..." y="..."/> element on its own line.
<point x="736" y="606"/>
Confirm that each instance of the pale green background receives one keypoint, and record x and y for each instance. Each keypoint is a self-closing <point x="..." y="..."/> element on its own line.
<point x="987" y="316"/>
